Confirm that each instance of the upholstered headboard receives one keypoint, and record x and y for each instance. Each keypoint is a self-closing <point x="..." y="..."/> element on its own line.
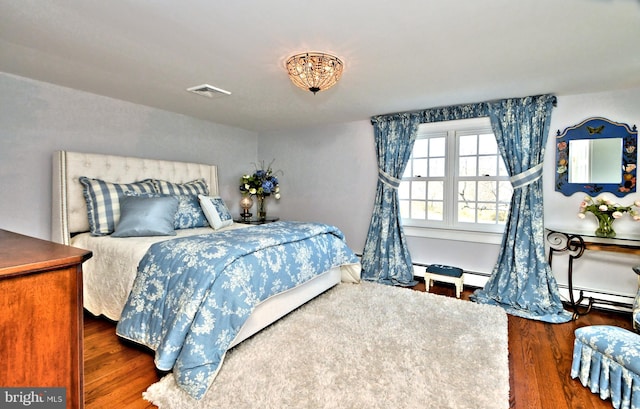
<point x="69" y="210"/>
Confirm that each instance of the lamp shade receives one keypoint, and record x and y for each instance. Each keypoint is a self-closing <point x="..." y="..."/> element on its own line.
<point x="246" y="202"/>
<point x="314" y="71"/>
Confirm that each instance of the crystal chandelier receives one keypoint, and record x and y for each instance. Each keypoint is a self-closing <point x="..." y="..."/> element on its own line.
<point x="314" y="71"/>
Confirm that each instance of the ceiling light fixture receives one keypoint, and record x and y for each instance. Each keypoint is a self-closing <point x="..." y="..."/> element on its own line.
<point x="314" y="71"/>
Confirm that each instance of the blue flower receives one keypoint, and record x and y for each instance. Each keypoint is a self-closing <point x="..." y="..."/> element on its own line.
<point x="267" y="185"/>
<point x="262" y="182"/>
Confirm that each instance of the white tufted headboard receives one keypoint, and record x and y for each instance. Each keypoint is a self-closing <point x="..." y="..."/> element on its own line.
<point x="69" y="210"/>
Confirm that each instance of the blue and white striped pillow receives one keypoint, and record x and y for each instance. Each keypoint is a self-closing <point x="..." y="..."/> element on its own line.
<point x="195" y="187"/>
<point x="103" y="202"/>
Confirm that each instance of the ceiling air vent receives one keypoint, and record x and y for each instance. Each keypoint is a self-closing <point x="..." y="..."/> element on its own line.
<point x="208" y="91"/>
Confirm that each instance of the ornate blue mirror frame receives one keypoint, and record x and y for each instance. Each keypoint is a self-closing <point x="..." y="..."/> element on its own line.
<point x="597" y="128"/>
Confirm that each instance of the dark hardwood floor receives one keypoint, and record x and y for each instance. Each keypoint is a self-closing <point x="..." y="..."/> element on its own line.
<point x="117" y="372"/>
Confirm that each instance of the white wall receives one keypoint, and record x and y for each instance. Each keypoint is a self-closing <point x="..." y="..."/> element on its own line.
<point x="37" y="119"/>
<point x="598" y="271"/>
<point x="330" y="175"/>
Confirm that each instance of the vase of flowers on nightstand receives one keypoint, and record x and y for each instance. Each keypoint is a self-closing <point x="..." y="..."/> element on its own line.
<point x="261" y="184"/>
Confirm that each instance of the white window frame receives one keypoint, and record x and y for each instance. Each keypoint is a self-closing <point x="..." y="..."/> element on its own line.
<point x="449" y="228"/>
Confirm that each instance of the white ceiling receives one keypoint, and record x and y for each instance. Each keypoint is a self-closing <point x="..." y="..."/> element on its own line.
<point x="399" y="55"/>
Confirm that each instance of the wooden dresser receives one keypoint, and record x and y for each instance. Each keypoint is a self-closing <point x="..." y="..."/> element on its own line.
<point x="41" y="321"/>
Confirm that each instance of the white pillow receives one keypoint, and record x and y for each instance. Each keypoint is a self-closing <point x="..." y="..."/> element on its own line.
<point x="215" y="211"/>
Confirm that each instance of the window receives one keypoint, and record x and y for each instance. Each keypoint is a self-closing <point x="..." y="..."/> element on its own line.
<point x="456" y="178"/>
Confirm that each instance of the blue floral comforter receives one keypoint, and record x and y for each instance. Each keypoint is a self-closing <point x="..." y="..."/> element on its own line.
<point x="193" y="294"/>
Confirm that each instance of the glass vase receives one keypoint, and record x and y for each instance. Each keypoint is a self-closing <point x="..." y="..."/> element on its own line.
<point x="605" y="225"/>
<point x="262" y="208"/>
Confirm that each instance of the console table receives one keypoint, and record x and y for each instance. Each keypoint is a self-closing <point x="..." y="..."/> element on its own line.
<point x="575" y="244"/>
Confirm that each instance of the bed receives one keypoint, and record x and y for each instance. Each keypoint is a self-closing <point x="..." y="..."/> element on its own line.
<point x="112" y="273"/>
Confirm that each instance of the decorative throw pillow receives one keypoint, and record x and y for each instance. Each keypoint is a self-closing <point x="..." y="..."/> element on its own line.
<point x="195" y="187"/>
<point x="103" y="202"/>
<point x="189" y="214"/>
<point x="216" y="211"/>
<point x="146" y="216"/>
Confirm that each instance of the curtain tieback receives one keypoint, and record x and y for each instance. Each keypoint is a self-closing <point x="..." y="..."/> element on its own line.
<point x="388" y="180"/>
<point x="527" y="177"/>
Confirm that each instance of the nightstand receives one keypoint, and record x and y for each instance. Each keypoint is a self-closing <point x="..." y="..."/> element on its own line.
<point x="256" y="221"/>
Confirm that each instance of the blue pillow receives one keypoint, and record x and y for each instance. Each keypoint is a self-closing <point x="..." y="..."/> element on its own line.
<point x="189" y="214"/>
<point x="146" y="216"/>
<point x="103" y="202"/>
<point x="216" y="211"/>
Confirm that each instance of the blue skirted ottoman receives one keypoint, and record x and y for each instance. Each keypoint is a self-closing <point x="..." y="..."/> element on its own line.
<point x="607" y="360"/>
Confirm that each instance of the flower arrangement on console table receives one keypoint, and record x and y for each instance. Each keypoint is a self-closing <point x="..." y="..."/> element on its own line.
<point x="606" y="211"/>
<point x="261" y="184"/>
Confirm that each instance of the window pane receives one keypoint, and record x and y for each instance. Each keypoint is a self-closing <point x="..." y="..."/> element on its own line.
<point x="502" y="169"/>
<point x="437" y="167"/>
<point x="467" y="166"/>
<point x="420" y="148"/>
<point x="418" y="209"/>
<point x="466" y="213"/>
<point x="487" y="213"/>
<point x="438" y="146"/>
<point x="436" y="211"/>
<point x="487" y="191"/>
<point x="505" y="192"/>
<point x="467" y="191"/>
<point x="420" y="167"/>
<point x="404" y="209"/>
<point x="468" y="145"/>
<point x="487" y="144"/>
<point x="487" y="166"/>
<point x="503" y="213"/>
<point x="407" y="170"/>
<point x="403" y="190"/>
<point x="418" y="190"/>
<point x="436" y="190"/>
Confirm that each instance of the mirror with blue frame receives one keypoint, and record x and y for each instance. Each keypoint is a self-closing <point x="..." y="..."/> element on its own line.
<point x="597" y="156"/>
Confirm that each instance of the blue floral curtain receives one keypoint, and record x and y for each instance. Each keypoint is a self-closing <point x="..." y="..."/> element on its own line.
<point x="386" y="258"/>
<point x="522" y="281"/>
<point x="453" y="113"/>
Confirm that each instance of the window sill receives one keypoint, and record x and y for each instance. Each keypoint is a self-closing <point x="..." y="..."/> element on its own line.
<point x="456" y="235"/>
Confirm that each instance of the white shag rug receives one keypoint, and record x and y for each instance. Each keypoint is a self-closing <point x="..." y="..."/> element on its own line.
<point x="364" y="346"/>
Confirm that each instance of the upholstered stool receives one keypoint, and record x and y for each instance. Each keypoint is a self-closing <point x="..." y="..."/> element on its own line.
<point x="447" y="274"/>
<point x="606" y="359"/>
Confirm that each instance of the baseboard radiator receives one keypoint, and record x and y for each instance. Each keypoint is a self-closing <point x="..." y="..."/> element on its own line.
<point x="476" y="279"/>
<point x="612" y="301"/>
